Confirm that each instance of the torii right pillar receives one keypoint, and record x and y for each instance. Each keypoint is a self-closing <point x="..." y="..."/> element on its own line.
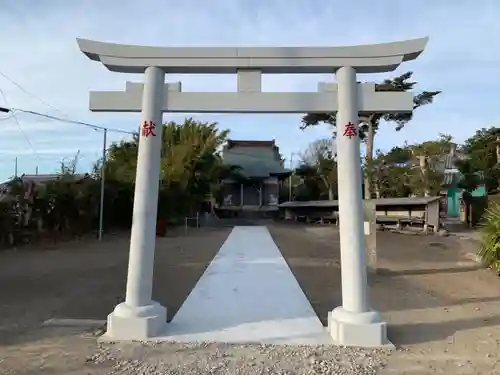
<point x="354" y="323"/>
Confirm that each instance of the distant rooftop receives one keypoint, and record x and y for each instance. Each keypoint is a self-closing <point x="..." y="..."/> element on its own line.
<point x="259" y="159"/>
<point x="41" y="178"/>
<point x="378" y="202"/>
<point x="245" y="143"/>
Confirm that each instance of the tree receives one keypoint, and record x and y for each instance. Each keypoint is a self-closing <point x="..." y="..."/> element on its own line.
<point x="121" y="161"/>
<point x="481" y="162"/>
<point x="68" y="167"/>
<point x="391" y="173"/>
<point x="191" y="166"/>
<point x="310" y="187"/>
<point x="319" y="161"/>
<point x="406" y="170"/>
<point x="370" y="122"/>
<point x="428" y="176"/>
<point x="471" y="178"/>
<point x="398" y="155"/>
<point x="191" y="170"/>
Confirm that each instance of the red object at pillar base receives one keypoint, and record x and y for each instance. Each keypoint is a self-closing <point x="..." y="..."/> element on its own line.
<point x="161" y="227"/>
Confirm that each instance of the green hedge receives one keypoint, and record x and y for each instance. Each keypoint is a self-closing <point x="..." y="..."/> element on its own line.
<point x="66" y="208"/>
<point x="489" y="250"/>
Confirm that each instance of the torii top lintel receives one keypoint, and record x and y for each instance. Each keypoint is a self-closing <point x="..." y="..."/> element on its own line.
<point x="372" y="58"/>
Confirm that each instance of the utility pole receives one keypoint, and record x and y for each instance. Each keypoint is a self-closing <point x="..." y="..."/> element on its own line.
<point x="290" y="178"/>
<point x="101" y="206"/>
<point x="15" y="168"/>
<point x="104" y="141"/>
<point x="497" y="149"/>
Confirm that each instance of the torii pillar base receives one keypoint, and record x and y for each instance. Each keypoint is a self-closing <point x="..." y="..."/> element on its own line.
<point x="140" y="323"/>
<point x="358" y="329"/>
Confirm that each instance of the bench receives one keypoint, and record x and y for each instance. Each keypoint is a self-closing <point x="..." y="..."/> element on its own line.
<point x="316" y="218"/>
<point x="421" y="211"/>
<point x="401" y="218"/>
<point x="196" y="219"/>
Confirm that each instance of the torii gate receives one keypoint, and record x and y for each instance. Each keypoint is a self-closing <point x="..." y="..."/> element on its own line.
<point x="140" y="318"/>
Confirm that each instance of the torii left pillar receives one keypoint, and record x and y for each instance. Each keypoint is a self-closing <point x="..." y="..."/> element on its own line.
<point x="139" y="317"/>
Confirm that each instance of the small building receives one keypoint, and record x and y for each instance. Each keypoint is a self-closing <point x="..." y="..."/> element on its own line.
<point x="452" y="178"/>
<point x="256" y="185"/>
<point x="50" y="177"/>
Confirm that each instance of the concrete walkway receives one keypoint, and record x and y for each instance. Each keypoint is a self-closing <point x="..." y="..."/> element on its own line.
<point x="247" y="294"/>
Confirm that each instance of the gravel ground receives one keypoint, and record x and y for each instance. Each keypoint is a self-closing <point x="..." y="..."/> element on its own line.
<point x="442" y="308"/>
<point x="209" y="358"/>
<point x="76" y="353"/>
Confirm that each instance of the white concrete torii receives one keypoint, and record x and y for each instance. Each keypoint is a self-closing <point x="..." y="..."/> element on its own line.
<point x="140" y="318"/>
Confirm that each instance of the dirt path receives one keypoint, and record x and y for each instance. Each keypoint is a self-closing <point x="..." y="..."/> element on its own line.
<point x="443" y="310"/>
<point x="86" y="279"/>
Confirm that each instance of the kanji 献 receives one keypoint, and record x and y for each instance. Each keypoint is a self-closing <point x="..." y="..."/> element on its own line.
<point x="148" y="129"/>
<point x="350" y="130"/>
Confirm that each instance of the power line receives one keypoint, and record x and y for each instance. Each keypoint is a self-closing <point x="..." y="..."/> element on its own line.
<point x="19" y="125"/>
<point x="57" y="118"/>
<point x="97" y="127"/>
<point x="27" y="92"/>
<point x="7" y="117"/>
<point x="93" y="126"/>
<point x="69" y="121"/>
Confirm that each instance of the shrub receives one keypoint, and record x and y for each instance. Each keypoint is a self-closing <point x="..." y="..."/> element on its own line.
<point x="489" y="250"/>
<point x="476" y="208"/>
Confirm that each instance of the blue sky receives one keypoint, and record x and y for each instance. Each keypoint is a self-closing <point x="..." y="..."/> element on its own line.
<point x="38" y="50"/>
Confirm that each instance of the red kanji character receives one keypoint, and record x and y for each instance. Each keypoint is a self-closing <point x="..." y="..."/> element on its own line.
<point x="350" y="130"/>
<point x="148" y="129"/>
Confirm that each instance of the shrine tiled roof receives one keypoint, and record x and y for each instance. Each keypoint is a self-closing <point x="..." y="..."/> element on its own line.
<point x="253" y="166"/>
<point x="257" y="159"/>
